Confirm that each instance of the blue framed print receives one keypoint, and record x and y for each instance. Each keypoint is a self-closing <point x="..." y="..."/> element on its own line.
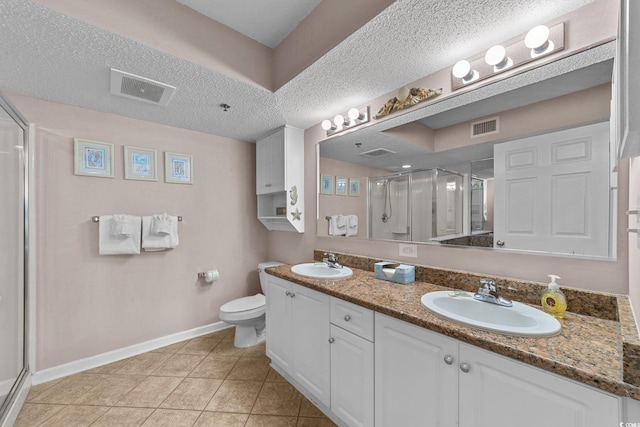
<point x="178" y="168"/>
<point x="140" y="164"/>
<point x="92" y="158"/>
<point x="326" y="184"/>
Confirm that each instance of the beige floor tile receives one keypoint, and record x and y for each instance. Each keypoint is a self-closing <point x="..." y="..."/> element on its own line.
<point x="226" y="348"/>
<point x="214" y="367"/>
<point x="255" y="351"/>
<point x="271" y="421"/>
<point x="315" y="422"/>
<point x="110" y="389"/>
<point x="278" y="399"/>
<point x="252" y="369"/>
<point x="143" y="364"/>
<point x="110" y="368"/>
<point x="171" y="418"/>
<point x="37" y="390"/>
<point x="150" y="393"/>
<point x="179" y="365"/>
<point x="123" y="417"/>
<point x="75" y="416"/>
<point x="170" y="349"/>
<point x="222" y="334"/>
<point x="69" y="390"/>
<point x="221" y="419"/>
<point x="308" y="409"/>
<point x="199" y="346"/>
<point x="235" y="396"/>
<point x="33" y="414"/>
<point x="274" y="376"/>
<point x="192" y="393"/>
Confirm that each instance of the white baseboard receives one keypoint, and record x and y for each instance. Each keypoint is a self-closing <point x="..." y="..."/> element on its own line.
<point x="80" y="365"/>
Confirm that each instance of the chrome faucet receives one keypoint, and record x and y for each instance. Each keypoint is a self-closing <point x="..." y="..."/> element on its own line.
<point x="488" y="293"/>
<point x="331" y="260"/>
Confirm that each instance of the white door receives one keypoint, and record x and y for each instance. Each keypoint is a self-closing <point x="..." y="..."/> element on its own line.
<point x="416" y="376"/>
<point x="500" y="392"/>
<point x="278" y="320"/>
<point x="311" y="348"/>
<point x="549" y="192"/>
<point x="351" y="378"/>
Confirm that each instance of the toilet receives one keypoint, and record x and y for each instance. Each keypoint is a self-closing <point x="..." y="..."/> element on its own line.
<point x="248" y="314"/>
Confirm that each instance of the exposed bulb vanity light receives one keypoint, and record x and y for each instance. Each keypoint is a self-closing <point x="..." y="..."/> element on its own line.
<point x="355" y="114"/>
<point x="340" y="122"/>
<point x="537" y="39"/>
<point x="327" y="125"/>
<point x="497" y="58"/>
<point x="462" y="70"/>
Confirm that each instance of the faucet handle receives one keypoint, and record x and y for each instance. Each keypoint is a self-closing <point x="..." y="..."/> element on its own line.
<point x="330" y="256"/>
<point x="489" y="284"/>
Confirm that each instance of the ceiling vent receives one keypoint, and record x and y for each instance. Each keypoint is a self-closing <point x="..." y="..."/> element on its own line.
<point x="485" y="127"/>
<point x="377" y="153"/>
<point x="140" y="88"/>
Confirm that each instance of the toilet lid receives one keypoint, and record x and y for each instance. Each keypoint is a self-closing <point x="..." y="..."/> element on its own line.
<point x="244" y="304"/>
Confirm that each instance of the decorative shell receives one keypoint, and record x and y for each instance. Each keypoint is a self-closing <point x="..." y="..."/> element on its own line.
<point x="407" y="98"/>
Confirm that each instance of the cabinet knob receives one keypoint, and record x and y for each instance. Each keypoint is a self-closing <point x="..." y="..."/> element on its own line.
<point x="500" y="243"/>
<point x="331" y="340"/>
<point x="287" y="293"/>
<point x="267" y="185"/>
<point x="448" y="359"/>
<point x="347" y="317"/>
<point x="464" y="367"/>
<point x="291" y="294"/>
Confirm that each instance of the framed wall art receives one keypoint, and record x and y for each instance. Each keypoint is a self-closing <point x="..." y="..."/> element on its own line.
<point x="140" y="164"/>
<point x="354" y="187"/>
<point x="178" y="168"/>
<point x="326" y="184"/>
<point x="341" y="186"/>
<point x="92" y="158"/>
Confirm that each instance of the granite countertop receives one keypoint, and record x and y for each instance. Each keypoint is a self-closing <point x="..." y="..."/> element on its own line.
<point x="589" y="349"/>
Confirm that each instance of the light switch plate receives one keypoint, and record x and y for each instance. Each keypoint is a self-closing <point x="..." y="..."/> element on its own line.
<point x="410" y="251"/>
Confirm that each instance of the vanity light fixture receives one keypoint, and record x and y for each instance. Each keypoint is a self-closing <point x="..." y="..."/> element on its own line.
<point x="539" y="42"/>
<point x="341" y="122"/>
<point x="537" y="39"/>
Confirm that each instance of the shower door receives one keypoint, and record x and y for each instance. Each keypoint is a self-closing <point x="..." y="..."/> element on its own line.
<point x="13" y="234"/>
<point x="389" y="208"/>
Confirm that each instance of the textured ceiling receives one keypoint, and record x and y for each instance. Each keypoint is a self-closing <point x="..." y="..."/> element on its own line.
<point x="266" y="21"/>
<point x="52" y="56"/>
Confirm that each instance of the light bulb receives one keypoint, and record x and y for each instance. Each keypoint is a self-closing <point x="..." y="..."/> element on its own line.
<point x="354" y="114"/>
<point x="497" y="56"/>
<point x="338" y="120"/>
<point x="461" y="69"/>
<point x="326" y="124"/>
<point x="537" y="39"/>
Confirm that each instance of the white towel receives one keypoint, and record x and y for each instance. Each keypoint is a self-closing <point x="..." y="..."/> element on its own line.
<point x="119" y="235"/>
<point x="352" y="225"/>
<point x="337" y="225"/>
<point x="159" y="232"/>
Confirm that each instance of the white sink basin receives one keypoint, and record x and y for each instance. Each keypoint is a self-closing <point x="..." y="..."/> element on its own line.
<point x="520" y="319"/>
<point x="320" y="270"/>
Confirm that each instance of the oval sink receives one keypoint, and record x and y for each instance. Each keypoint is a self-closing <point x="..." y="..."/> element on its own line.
<point x="520" y="319"/>
<point x="320" y="270"/>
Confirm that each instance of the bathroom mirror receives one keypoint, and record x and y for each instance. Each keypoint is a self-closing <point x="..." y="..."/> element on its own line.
<point x="446" y="195"/>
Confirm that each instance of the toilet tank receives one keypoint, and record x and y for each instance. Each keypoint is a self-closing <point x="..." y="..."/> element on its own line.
<point x="261" y="272"/>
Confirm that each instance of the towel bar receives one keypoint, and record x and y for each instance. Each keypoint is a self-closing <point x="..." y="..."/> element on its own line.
<point x="97" y="219"/>
<point x="633" y="230"/>
<point x="327" y="218"/>
<point x="633" y="212"/>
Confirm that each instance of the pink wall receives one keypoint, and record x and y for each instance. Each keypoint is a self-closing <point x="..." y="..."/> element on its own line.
<point x="88" y="304"/>
<point x="634" y="251"/>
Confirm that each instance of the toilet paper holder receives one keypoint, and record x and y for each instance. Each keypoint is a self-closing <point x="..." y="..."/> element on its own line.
<point x="210" y="275"/>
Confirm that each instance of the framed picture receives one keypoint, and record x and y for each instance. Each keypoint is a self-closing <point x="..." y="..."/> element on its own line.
<point x="326" y="184"/>
<point x="341" y="186"/>
<point x="354" y="187"/>
<point x="178" y="168"/>
<point x="140" y="164"/>
<point x="92" y="158"/>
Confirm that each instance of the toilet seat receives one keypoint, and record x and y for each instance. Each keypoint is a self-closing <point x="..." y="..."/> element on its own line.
<point x="243" y="308"/>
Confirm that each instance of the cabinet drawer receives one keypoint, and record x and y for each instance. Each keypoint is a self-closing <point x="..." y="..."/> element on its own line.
<point x="352" y="317"/>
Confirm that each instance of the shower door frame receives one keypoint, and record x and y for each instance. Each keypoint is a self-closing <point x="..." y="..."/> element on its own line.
<point x="10" y="407"/>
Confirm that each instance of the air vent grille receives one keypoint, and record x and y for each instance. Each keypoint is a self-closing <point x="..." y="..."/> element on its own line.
<point x="136" y="87"/>
<point x="378" y="152"/>
<point x="485" y="127"/>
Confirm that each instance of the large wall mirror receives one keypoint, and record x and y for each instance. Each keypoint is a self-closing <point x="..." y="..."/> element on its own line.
<point x="528" y="169"/>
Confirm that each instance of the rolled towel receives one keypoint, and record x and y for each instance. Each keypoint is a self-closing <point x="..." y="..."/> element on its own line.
<point x="161" y="224"/>
<point x="121" y="225"/>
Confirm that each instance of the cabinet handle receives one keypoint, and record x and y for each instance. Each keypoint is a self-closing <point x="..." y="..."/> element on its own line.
<point x="267" y="185"/>
<point x="331" y="340"/>
<point x="448" y="359"/>
<point x="347" y="318"/>
<point x="464" y="367"/>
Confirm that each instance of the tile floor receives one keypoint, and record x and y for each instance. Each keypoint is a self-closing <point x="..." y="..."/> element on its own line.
<point x="204" y="381"/>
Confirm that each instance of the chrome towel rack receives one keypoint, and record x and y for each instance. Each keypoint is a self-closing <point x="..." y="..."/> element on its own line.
<point x="97" y="219"/>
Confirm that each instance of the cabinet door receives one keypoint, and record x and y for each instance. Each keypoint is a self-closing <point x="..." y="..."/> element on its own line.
<point x="500" y="392"/>
<point x="351" y="378"/>
<point x="416" y="376"/>
<point x="270" y="163"/>
<point x="278" y="321"/>
<point x="311" y="348"/>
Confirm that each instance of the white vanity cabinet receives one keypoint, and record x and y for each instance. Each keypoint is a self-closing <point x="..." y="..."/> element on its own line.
<point x="352" y="363"/>
<point x="280" y="179"/>
<point x="298" y="335"/>
<point x="426" y="379"/>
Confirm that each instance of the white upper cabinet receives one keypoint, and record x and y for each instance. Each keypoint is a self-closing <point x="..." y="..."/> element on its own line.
<point x="280" y="180"/>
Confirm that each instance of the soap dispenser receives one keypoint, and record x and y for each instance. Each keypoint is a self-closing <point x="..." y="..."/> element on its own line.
<point x="553" y="300"/>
